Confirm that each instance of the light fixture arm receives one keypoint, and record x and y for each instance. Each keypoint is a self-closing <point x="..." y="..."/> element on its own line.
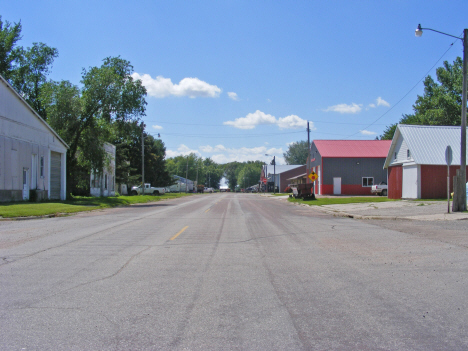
<point x="420" y="29"/>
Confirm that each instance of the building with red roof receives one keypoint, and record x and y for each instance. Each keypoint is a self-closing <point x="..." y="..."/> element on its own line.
<point x="348" y="167"/>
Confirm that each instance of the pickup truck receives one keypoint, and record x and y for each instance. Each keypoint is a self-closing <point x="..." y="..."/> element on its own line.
<point x="208" y="190"/>
<point x="149" y="190"/>
<point x="380" y="189"/>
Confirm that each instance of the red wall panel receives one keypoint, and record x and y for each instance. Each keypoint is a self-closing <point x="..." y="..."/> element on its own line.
<point x="347" y="189"/>
<point x="434" y="181"/>
<point x="327" y="189"/>
<point x="395" y="182"/>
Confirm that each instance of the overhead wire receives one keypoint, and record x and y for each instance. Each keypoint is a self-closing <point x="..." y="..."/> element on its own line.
<point x="391" y="108"/>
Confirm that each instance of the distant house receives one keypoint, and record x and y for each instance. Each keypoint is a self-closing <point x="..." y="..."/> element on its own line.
<point x="32" y="155"/>
<point x="416" y="161"/>
<point x="281" y="175"/>
<point x="348" y="167"/>
<point x="102" y="183"/>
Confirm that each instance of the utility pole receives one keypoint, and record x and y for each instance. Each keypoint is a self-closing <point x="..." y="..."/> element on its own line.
<point x="197" y="177"/>
<point x="186" y="178"/>
<point x="308" y="153"/>
<point x="142" y="159"/>
<point x="274" y="175"/>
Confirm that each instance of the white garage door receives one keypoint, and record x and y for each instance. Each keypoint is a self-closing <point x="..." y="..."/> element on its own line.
<point x="55" y="175"/>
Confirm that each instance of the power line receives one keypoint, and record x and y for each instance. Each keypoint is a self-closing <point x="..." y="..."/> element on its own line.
<point x="391" y="108"/>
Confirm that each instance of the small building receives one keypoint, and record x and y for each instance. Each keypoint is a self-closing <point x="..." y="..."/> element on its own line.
<point x="102" y="183"/>
<point x="181" y="185"/>
<point x="348" y="167"/>
<point x="32" y="154"/>
<point x="416" y="161"/>
<point x="280" y="175"/>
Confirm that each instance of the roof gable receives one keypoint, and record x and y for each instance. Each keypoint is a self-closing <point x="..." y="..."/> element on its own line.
<point x="427" y="144"/>
<point x="353" y="148"/>
<point x="33" y="113"/>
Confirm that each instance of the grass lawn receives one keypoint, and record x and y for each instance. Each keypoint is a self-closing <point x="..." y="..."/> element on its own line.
<point x="341" y="200"/>
<point x="77" y="204"/>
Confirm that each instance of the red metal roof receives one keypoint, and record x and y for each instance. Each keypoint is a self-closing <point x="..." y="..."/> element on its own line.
<point x="353" y="148"/>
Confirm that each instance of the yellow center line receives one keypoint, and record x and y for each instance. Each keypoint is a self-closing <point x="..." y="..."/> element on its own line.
<point x="175" y="236"/>
<point x="207" y="210"/>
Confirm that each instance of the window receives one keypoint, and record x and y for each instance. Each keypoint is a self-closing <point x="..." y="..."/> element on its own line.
<point x="105" y="181"/>
<point x="408" y="154"/>
<point x="367" y="181"/>
<point x="395" y="156"/>
<point x="42" y="167"/>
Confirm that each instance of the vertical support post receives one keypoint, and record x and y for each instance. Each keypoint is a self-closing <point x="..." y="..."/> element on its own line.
<point x="142" y="159"/>
<point x="308" y="153"/>
<point x="186" y="177"/>
<point x="274" y="174"/>
<point x="462" y="186"/>
<point x="448" y="189"/>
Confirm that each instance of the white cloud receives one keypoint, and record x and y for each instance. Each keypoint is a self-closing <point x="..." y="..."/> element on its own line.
<point x="344" y="108"/>
<point x="224" y="155"/>
<point x="161" y="87"/>
<point x="260" y="118"/>
<point x="367" y="132"/>
<point x="382" y="102"/>
<point x="252" y="120"/>
<point x="293" y="122"/>
<point x="182" y="150"/>
<point x="157" y="127"/>
<point x="210" y="149"/>
<point x="233" y="96"/>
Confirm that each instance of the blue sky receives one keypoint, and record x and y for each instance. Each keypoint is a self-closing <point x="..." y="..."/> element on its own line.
<point x="235" y="80"/>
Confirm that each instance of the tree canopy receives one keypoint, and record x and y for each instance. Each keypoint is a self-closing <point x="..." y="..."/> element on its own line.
<point x="297" y="153"/>
<point x="441" y="103"/>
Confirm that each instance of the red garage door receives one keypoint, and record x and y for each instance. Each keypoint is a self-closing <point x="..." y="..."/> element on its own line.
<point x="395" y="181"/>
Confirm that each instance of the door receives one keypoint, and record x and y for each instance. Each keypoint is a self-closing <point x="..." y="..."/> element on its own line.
<point x="25" y="184"/>
<point x="337" y="186"/>
<point x="55" y="175"/>
<point x="34" y="171"/>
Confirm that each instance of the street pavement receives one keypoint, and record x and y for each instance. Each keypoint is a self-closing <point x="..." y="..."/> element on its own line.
<point x="403" y="209"/>
<point x="232" y="272"/>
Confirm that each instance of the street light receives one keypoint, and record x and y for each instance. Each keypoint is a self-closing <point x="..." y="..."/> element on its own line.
<point x="459" y="188"/>
<point x="274" y="173"/>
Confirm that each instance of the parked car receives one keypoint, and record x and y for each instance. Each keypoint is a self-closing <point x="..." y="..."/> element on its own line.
<point x="149" y="190"/>
<point x="381" y="189"/>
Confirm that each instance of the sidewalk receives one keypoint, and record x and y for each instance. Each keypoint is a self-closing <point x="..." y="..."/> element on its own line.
<point x="405" y="209"/>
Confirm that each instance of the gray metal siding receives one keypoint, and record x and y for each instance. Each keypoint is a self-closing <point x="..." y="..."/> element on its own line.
<point x="351" y="172"/>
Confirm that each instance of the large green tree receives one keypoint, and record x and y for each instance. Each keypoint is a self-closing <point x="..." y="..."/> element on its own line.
<point x="440" y="105"/>
<point x="83" y="116"/>
<point x="297" y="153"/>
<point x="30" y="74"/>
<point x="10" y="34"/>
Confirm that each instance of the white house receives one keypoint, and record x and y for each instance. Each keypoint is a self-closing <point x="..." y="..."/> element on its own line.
<point x="32" y="155"/>
<point x="103" y="183"/>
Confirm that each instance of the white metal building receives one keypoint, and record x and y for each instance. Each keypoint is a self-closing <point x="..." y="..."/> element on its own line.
<point x="416" y="161"/>
<point x="32" y="155"/>
<point x="102" y="183"/>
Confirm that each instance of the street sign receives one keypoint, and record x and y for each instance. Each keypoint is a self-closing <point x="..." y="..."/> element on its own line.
<point x="313" y="176"/>
<point x="448" y="155"/>
<point x="264" y="180"/>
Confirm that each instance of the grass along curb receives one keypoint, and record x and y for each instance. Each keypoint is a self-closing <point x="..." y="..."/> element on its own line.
<point x="24" y="210"/>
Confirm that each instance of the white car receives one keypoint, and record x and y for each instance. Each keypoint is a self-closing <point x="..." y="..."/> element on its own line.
<point x="381" y="189"/>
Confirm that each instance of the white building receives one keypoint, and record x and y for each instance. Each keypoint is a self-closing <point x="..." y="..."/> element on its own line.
<point x="103" y="183"/>
<point x="32" y="155"/>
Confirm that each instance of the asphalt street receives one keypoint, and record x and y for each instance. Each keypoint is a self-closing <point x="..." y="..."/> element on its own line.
<point x="231" y="272"/>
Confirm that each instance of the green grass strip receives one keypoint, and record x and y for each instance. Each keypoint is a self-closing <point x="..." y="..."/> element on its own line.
<point x="340" y="200"/>
<point x="77" y="204"/>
